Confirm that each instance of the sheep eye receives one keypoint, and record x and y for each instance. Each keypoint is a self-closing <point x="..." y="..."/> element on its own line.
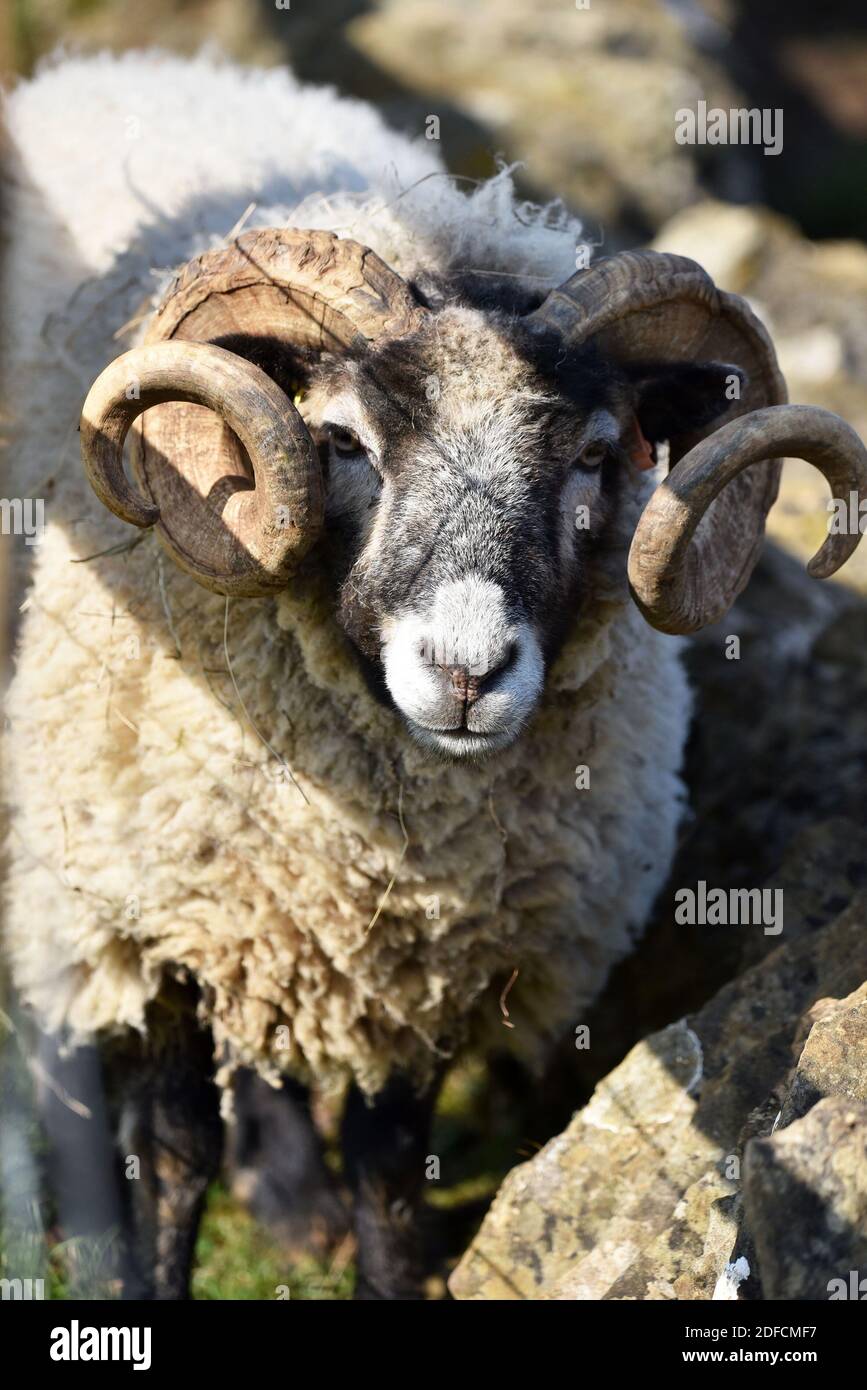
<point x="593" y="454"/>
<point x="344" y="441"/>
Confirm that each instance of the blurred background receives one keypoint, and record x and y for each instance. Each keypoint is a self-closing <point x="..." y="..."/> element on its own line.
<point x="583" y="97"/>
<point x="582" y="93"/>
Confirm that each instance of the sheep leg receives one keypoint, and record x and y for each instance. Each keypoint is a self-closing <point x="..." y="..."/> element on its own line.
<point x="80" y="1165"/>
<point x="385" y="1144"/>
<point x="188" y="1137"/>
<point x="278" y="1166"/>
<point x="171" y="1137"/>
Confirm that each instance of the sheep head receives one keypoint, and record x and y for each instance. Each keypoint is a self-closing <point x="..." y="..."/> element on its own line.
<point x="442" y="452"/>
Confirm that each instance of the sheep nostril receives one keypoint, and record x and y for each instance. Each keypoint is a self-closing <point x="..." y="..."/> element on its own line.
<point x="461" y="681"/>
<point x="468" y="683"/>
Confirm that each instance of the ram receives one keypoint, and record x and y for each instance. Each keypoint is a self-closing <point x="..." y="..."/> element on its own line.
<point x="380" y="711"/>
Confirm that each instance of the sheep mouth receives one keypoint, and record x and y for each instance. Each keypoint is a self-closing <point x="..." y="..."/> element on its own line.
<point x="461" y="743"/>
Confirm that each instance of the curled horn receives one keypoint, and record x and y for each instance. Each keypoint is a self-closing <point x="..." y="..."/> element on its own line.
<point x="673" y="591"/>
<point x="230" y="536"/>
<point x="700" y="535"/>
<point x="227" y="471"/>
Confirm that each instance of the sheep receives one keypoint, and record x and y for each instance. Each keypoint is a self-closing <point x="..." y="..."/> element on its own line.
<point x="369" y="738"/>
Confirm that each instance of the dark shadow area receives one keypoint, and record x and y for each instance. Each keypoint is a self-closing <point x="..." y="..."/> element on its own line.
<point x="811" y="61"/>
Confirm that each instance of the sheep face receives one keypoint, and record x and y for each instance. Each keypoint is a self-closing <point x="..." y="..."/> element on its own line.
<point x="470" y="471"/>
<point x="456" y="468"/>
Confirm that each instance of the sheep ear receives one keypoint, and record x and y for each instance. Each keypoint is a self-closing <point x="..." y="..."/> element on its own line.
<point x="676" y="398"/>
<point x="639" y="448"/>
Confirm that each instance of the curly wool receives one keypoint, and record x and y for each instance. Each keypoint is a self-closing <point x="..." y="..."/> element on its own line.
<point x="364" y="910"/>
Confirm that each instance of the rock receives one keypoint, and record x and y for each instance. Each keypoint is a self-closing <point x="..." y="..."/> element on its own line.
<point x="637" y="1198"/>
<point x="805" y="1199"/>
<point x="559" y="1216"/>
<point x="733" y="243"/>
<point x="586" y="95"/>
<point x="834" y="1059"/>
<point x="685" y="1259"/>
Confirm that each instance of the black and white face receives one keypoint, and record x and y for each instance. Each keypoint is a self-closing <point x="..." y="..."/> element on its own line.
<point x="470" y="469"/>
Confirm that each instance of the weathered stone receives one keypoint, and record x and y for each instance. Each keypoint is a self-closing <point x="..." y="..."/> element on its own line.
<point x="805" y="1199"/>
<point x="685" y="1259"/>
<point x="834" y="1059"/>
<point x="600" y="1211"/>
<point x="561" y="1215"/>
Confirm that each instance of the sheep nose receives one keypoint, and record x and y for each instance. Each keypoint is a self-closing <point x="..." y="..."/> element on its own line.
<point x="468" y="682"/>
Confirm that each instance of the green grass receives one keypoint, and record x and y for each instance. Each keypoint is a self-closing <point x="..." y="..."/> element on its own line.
<point x="70" y="1269"/>
<point x="237" y="1259"/>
